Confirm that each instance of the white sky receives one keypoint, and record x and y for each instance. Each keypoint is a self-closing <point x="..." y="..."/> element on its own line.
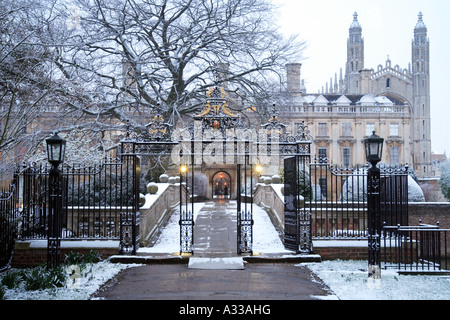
<point x="387" y="27"/>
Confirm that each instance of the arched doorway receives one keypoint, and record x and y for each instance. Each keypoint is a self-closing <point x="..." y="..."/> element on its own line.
<point x="221" y="185"/>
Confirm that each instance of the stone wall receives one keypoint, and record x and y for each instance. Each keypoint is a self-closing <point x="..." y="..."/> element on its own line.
<point x="33" y="253"/>
<point x="429" y="213"/>
<point x="269" y="196"/>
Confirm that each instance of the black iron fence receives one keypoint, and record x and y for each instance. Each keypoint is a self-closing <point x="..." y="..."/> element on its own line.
<point x="338" y="199"/>
<point x="422" y="248"/>
<point x="94" y="198"/>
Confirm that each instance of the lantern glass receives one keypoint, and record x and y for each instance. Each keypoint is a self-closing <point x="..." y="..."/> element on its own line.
<point x="56" y="149"/>
<point x="374" y="148"/>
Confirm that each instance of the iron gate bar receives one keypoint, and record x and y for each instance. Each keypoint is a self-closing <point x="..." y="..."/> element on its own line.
<point x="290" y="204"/>
<point x="416" y="248"/>
<point x="244" y="215"/>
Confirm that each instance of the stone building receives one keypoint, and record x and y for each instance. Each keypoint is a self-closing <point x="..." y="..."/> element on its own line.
<point x="392" y="101"/>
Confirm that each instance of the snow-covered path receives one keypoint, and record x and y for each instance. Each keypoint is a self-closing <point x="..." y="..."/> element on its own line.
<point x="265" y="236"/>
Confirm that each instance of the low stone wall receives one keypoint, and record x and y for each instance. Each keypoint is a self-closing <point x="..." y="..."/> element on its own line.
<point x="32" y="253"/>
<point x="429" y="213"/>
<point x="341" y="249"/>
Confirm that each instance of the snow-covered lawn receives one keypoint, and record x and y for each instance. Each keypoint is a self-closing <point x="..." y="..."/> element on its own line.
<point x="347" y="280"/>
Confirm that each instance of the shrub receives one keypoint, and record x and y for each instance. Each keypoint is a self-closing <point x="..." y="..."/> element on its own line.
<point x="74" y="257"/>
<point x="11" y="278"/>
<point x="444" y="181"/>
<point x="41" y="278"/>
<point x="91" y="257"/>
<point x="2" y="293"/>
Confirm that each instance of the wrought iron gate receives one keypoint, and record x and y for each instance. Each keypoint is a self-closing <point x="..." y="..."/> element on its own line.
<point x="129" y="215"/>
<point x="186" y="209"/>
<point x="244" y="209"/>
<point x="291" y="199"/>
<point x="297" y="218"/>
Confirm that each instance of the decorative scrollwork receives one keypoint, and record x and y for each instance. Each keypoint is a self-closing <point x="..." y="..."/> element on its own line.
<point x="245" y="241"/>
<point x="158" y="129"/>
<point x="274" y="125"/>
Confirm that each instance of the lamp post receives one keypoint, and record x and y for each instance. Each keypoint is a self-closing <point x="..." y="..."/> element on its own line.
<point x="186" y="216"/>
<point x="374" y="147"/>
<point x="56" y="147"/>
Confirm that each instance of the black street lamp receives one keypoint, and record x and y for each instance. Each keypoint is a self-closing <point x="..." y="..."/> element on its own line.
<point x="374" y="147"/>
<point x="56" y="147"/>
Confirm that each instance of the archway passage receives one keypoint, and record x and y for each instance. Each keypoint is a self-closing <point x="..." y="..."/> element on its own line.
<point x="221" y="185"/>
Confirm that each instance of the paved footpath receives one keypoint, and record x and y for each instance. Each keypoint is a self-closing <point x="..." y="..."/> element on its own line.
<point x="215" y="236"/>
<point x="258" y="281"/>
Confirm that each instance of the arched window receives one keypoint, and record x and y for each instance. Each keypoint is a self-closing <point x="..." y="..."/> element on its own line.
<point x="388" y="83"/>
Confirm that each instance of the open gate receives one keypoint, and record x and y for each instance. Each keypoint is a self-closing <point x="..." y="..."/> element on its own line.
<point x="244" y="209"/>
<point x="297" y="218"/>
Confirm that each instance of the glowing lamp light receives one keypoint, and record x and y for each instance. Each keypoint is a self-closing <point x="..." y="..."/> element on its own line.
<point x="183" y="169"/>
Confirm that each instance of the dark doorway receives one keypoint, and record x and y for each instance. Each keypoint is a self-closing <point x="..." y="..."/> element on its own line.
<point x="221" y="185"/>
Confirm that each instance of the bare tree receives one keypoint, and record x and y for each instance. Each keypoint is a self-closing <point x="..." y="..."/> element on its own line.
<point x="24" y="82"/>
<point x="33" y="96"/>
<point x="139" y="53"/>
<point x="99" y="66"/>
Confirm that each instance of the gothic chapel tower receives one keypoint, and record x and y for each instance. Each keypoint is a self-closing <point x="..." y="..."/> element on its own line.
<point x="355" y="57"/>
<point x="421" y="99"/>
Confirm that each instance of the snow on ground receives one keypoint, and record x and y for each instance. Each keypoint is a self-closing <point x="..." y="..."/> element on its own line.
<point x="169" y="239"/>
<point x="349" y="281"/>
<point x="265" y="236"/>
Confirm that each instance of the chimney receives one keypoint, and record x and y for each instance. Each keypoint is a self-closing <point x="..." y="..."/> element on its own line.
<point x="366" y="76"/>
<point x="222" y="73"/>
<point x="293" y="76"/>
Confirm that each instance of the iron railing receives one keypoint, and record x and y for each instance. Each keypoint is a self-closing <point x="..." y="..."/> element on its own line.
<point x="422" y="248"/>
<point x="339" y="199"/>
<point x="94" y="198"/>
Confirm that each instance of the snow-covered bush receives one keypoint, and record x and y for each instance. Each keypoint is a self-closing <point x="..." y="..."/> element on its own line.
<point x="172" y="180"/>
<point x="141" y="200"/>
<point x="444" y="181"/>
<point x="415" y="193"/>
<point x="355" y="188"/>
